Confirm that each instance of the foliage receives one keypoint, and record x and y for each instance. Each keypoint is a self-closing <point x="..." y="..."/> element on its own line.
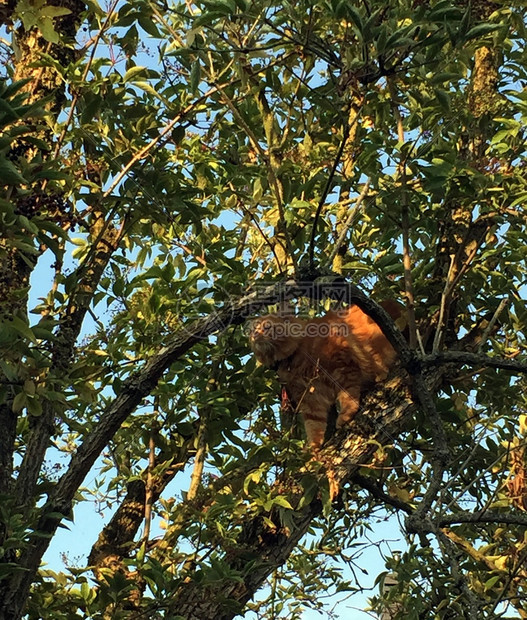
<point x="166" y="159"/>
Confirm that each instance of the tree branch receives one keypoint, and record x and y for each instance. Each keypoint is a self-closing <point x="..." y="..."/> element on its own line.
<point x="484" y="516"/>
<point x="405" y="220"/>
<point x="322" y="201"/>
<point x="441" y="452"/>
<point x="471" y="602"/>
<point x="261" y="549"/>
<point x="107" y="239"/>
<point x="348" y="223"/>
<point x="379" y="493"/>
<point x="141" y="383"/>
<point x="487" y="331"/>
<point x="474" y="359"/>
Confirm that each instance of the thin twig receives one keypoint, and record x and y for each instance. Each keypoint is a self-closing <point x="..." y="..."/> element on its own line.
<point x="449" y="285"/>
<point x="263" y="234"/>
<point x="484" y="516"/>
<point x="149" y="486"/>
<point x="349" y="221"/>
<point x="322" y="201"/>
<point x="492" y="322"/>
<point x="75" y="99"/>
<point x="511" y="576"/>
<point x="452" y="282"/>
<point x="476" y="479"/>
<point x="199" y="460"/>
<point x="270" y="171"/>
<point x="474" y="359"/>
<point x="379" y="493"/>
<point x="405" y="224"/>
<point x="470" y="601"/>
<point x="203" y="431"/>
<point x="186" y="249"/>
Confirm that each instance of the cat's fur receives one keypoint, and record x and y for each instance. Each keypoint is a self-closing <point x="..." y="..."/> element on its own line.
<point x="325" y="360"/>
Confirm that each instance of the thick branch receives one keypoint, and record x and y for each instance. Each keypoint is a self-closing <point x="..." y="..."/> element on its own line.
<point x="379" y="493"/>
<point x="484" y="516"/>
<point x="260" y="548"/>
<point x="116" y="539"/>
<point x="441" y="452"/>
<point x="475" y="359"/>
<point x="89" y="275"/>
<point x="134" y="390"/>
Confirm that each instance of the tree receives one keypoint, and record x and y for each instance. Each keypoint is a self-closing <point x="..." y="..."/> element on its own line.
<point x="188" y="164"/>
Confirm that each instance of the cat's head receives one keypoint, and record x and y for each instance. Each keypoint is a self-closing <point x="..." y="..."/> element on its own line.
<point x="274" y="338"/>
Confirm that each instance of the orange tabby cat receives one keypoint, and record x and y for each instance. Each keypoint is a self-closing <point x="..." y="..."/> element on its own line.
<point x="325" y="360"/>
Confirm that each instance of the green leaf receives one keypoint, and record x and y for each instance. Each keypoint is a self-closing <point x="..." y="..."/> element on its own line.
<point x="207" y="17"/>
<point x="9" y="175"/>
<point x="86" y="591"/>
<point x="149" y="26"/>
<point x="34" y="407"/>
<point x="19" y="402"/>
<point x="133" y="72"/>
<point x="29" y="387"/>
<point x="9" y="371"/>
<point x="253" y="477"/>
<point x="54" y="11"/>
<point x="45" y="25"/>
<point x="257" y="190"/>
<point x="490" y="583"/>
<point x="8" y="112"/>
<point x="195" y="77"/>
<point x="53" y="228"/>
<point x="481" y="30"/>
<point x="282" y="501"/>
<point x="353" y="14"/>
<point x="441" y="78"/>
<point x="52" y="175"/>
<point x="443" y="98"/>
<point x="28" y="13"/>
<point x="178" y="133"/>
<point x="22" y="328"/>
